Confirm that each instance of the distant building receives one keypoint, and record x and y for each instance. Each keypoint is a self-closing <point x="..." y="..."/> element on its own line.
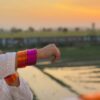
<point x="93" y="29"/>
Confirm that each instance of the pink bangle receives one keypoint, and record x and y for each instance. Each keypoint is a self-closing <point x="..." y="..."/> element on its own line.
<point x="31" y="56"/>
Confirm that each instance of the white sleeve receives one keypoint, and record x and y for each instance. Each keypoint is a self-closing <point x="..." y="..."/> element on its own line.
<point x="7" y="64"/>
<point x="23" y="92"/>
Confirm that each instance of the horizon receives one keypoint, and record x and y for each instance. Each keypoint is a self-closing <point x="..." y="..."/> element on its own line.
<point x="52" y="28"/>
<point x="49" y="13"/>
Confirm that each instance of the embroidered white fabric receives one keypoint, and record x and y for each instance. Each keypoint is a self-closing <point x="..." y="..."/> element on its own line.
<point x="22" y="92"/>
<point x="7" y="64"/>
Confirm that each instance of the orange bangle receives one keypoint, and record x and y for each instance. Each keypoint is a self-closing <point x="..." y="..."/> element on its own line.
<point x="12" y="78"/>
<point x="22" y="58"/>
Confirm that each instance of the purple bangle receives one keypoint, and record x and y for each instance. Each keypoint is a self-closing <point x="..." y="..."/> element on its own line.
<point x="32" y="56"/>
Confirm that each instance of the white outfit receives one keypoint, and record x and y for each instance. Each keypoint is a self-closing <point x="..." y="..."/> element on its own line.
<point x="22" y="92"/>
<point x="72" y="98"/>
<point x="7" y="67"/>
<point x="7" y="64"/>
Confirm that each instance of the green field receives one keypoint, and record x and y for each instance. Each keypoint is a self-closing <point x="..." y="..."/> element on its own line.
<point x="46" y="34"/>
<point x="86" y="52"/>
<point x="81" y="53"/>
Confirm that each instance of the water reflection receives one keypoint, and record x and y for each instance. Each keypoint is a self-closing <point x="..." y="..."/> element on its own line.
<point x="58" y="83"/>
<point x="83" y="79"/>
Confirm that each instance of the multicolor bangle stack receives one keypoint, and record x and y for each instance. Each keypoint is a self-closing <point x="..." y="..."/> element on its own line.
<point x="27" y="57"/>
<point x="24" y="58"/>
<point x="31" y="56"/>
<point x="11" y="78"/>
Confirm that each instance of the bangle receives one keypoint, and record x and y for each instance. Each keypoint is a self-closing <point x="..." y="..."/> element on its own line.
<point x="22" y="58"/>
<point x="12" y="78"/>
<point x="31" y="56"/>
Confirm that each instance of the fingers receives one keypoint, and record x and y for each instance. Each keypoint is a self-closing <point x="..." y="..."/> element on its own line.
<point x="50" y="52"/>
<point x="52" y="58"/>
<point x="56" y="53"/>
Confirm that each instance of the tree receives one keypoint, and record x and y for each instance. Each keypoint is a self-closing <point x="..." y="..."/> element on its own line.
<point x="65" y="29"/>
<point x="31" y="29"/>
<point x="1" y="30"/>
<point x="44" y="29"/>
<point x="47" y="29"/>
<point x="61" y="29"/>
<point x="77" y="29"/>
<point x="14" y="30"/>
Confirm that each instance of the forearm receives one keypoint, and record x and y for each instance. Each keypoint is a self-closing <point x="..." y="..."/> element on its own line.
<point x="30" y="57"/>
<point x="23" y="59"/>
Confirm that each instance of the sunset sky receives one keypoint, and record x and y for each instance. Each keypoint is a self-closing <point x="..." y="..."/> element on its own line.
<point x="49" y="13"/>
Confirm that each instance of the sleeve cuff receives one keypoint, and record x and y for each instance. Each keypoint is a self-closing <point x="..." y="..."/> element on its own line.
<point x="21" y="92"/>
<point x="7" y="64"/>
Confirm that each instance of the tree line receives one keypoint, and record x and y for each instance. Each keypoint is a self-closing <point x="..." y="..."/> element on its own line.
<point x="44" y="29"/>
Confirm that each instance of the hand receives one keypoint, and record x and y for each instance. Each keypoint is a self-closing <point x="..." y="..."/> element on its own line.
<point x="50" y="51"/>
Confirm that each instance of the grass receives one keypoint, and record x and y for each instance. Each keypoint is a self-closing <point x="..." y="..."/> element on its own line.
<point x="81" y="53"/>
<point x="77" y="56"/>
<point x="45" y="34"/>
<point x="69" y="53"/>
<point x="75" y="53"/>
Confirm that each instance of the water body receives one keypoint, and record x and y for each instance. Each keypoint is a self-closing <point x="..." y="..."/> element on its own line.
<point x="62" y="83"/>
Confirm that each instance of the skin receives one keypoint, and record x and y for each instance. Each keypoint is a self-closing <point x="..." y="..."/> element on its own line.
<point x="46" y="52"/>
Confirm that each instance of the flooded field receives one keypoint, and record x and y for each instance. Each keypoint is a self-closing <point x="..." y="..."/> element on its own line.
<point x="84" y="79"/>
<point x="63" y="82"/>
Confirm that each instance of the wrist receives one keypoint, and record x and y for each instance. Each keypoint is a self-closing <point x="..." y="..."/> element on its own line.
<point x="41" y="54"/>
<point x="26" y="57"/>
<point x="31" y="56"/>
